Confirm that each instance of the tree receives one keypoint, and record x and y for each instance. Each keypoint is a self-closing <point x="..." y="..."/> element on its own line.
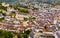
<point x="3" y="8"/>
<point x="33" y="18"/>
<point x="1" y="18"/>
<point x="24" y="34"/>
<point x="45" y="27"/>
<point x="13" y="14"/>
<point x="11" y="34"/>
<point x="1" y="34"/>
<point x="25" y="19"/>
<point x="21" y="5"/>
<point x="18" y="36"/>
<point x="6" y="34"/>
<point x="24" y="10"/>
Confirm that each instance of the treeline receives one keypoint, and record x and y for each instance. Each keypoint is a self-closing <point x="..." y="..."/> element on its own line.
<point x="11" y="34"/>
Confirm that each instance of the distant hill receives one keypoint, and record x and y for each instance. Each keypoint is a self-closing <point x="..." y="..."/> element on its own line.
<point x="11" y="1"/>
<point x="8" y="1"/>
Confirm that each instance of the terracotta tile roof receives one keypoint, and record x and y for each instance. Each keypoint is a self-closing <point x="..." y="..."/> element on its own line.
<point x="28" y="26"/>
<point x="41" y="24"/>
<point x="10" y="28"/>
<point x="20" y="26"/>
<point x="3" y="26"/>
<point x="45" y="30"/>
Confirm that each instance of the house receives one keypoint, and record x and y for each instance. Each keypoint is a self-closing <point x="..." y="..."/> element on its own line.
<point x="5" y="5"/>
<point x="2" y="26"/>
<point x="54" y="10"/>
<point x="1" y="15"/>
<point x="36" y="6"/>
<point x="21" y="17"/>
<point x="25" y="23"/>
<point x="16" y="22"/>
<point x="8" y="18"/>
<point x="9" y="9"/>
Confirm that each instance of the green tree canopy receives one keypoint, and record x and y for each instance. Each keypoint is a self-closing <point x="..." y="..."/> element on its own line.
<point x="3" y="8"/>
<point x="13" y="14"/>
